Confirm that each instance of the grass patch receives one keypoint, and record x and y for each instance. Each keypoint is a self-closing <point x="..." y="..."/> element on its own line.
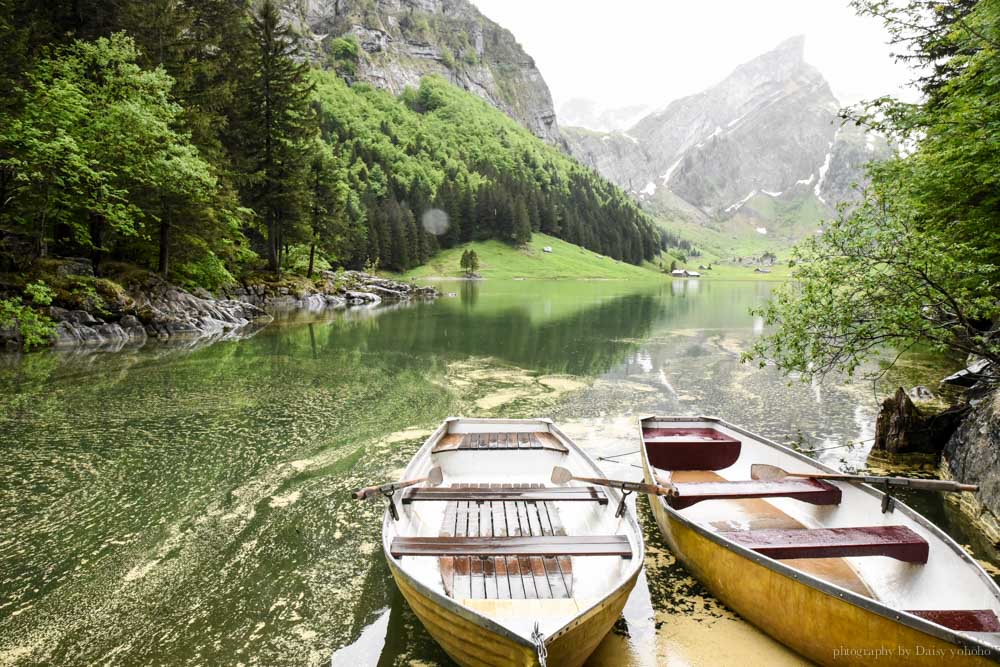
<point x="500" y="261"/>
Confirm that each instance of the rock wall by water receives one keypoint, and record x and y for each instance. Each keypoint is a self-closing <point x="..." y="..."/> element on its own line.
<point x="972" y="456"/>
<point x="152" y="308"/>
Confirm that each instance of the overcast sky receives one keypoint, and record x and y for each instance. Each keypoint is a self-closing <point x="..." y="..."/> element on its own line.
<point x="626" y="52"/>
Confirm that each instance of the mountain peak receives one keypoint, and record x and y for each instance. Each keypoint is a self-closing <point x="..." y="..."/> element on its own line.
<point x="792" y="48"/>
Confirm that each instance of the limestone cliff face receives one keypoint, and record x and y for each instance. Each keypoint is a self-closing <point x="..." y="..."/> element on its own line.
<point x="770" y="129"/>
<point x="404" y="40"/>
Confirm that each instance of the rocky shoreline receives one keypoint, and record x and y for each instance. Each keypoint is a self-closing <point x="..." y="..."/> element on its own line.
<point x="152" y="308"/>
<point x="963" y="440"/>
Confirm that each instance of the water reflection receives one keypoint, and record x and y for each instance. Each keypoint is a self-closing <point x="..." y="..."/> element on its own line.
<point x="190" y="506"/>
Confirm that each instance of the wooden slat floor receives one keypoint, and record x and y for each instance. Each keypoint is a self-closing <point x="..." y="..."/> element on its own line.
<point x="504" y="577"/>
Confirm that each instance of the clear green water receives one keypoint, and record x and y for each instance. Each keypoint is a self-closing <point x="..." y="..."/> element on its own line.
<point x="191" y="505"/>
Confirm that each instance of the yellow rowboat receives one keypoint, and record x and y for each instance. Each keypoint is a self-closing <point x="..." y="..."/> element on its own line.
<point x="501" y="566"/>
<point x="831" y="569"/>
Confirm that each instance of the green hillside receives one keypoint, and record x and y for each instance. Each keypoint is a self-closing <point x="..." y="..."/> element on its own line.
<point x="499" y="260"/>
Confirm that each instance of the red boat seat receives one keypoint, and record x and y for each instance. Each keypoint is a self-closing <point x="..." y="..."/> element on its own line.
<point x="897" y="542"/>
<point x="689" y="448"/>
<point x="814" y="491"/>
<point x="961" y="620"/>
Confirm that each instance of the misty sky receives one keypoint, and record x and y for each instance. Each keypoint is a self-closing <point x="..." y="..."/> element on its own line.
<point x="628" y="52"/>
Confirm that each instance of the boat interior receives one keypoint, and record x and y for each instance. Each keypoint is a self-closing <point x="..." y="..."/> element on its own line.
<point x="837" y="532"/>
<point x="499" y="538"/>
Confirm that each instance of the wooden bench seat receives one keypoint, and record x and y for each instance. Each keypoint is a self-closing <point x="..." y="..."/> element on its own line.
<point x="897" y="542"/>
<point x="816" y="492"/>
<point x="479" y="495"/>
<point x="454" y="442"/>
<point x="961" y="620"/>
<point x="545" y="546"/>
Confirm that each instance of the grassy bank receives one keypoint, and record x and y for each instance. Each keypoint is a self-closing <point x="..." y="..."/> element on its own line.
<point x="499" y="260"/>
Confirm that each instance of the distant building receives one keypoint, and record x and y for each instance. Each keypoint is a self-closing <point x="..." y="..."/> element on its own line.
<point x="692" y="274"/>
<point x="547" y="248"/>
<point x="678" y="273"/>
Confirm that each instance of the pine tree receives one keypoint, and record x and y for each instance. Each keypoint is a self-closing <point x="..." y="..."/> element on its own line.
<point x="274" y="127"/>
<point x="521" y="227"/>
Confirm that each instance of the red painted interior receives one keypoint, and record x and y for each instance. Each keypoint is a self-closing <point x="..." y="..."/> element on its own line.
<point x="690" y="448"/>
<point x="962" y="620"/>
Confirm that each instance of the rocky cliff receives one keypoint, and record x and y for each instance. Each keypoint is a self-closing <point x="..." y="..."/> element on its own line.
<point x="768" y="131"/>
<point x="972" y="456"/>
<point x="403" y="40"/>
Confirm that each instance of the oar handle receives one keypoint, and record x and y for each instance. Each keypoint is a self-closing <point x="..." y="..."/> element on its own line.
<point x="936" y="485"/>
<point x="651" y="489"/>
<point x="906" y="482"/>
<point x="370" y="491"/>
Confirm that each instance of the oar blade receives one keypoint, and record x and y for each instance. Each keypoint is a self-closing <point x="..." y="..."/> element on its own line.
<point x="435" y="476"/>
<point x="767" y="473"/>
<point x="561" y="475"/>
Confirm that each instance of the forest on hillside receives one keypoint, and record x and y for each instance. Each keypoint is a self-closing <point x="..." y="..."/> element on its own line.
<point x="204" y="141"/>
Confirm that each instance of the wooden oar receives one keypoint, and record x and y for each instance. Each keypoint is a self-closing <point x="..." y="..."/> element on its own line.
<point x="434" y="478"/>
<point x="769" y="473"/>
<point x="562" y="475"/>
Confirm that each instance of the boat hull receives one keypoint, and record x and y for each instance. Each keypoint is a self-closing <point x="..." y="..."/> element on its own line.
<point x="471" y="644"/>
<point x="821" y="625"/>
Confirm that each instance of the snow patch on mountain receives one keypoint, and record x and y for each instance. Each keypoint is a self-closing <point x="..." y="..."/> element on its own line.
<point x="737" y="205"/>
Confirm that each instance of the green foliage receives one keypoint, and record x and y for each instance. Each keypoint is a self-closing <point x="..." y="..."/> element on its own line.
<point x="918" y="262"/>
<point x="95" y="154"/>
<point x="470" y="57"/>
<point x="297" y="261"/>
<point x="447" y="57"/>
<point x="208" y="271"/>
<point x="439" y="147"/>
<point x="182" y="137"/>
<point x="345" y="53"/>
<point x="35" y="329"/>
<point x="872" y="280"/>
<point x="39" y="293"/>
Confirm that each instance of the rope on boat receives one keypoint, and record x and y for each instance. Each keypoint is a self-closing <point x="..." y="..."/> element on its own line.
<point x="539" y="641"/>
<point x="615" y="456"/>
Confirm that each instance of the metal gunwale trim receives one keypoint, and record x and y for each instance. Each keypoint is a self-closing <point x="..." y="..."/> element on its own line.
<point x="899" y="615"/>
<point x="484" y="621"/>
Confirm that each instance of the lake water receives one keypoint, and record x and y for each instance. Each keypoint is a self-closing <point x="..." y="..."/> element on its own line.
<point x="190" y="505"/>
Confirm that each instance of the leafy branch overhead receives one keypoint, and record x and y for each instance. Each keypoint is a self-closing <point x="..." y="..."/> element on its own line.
<point x="917" y="262"/>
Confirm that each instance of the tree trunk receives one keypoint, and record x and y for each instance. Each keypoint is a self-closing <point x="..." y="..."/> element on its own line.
<point x="901" y="428"/>
<point x="272" y="243"/>
<point x="164" y="265"/>
<point x="312" y="257"/>
<point x="96" y="234"/>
